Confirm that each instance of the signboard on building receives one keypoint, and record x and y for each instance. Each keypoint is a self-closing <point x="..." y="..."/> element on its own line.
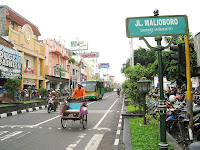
<point x="79" y="45"/>
<point x="29" y="81"/>
<point x="104" y="65"/>
<point x="90" y="55"/>
<point x="156" y="25"/>
<point x="29" y="70"/>
<point x="10" y="63"/>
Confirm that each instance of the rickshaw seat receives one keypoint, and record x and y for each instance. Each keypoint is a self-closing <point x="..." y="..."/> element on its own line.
<point x="74" y="108"/>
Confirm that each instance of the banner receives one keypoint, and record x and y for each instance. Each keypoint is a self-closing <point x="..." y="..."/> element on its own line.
<point x="104" y="65"/>
<point x="90" y="55"/>
<point x="79" y="45"/>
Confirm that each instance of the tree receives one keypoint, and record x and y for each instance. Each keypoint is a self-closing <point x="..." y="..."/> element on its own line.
<point x="43" y="92"/>
<point x="144" y="56"/>
<point x="127" y="65"/>
<point x="12" y="86"/>
<point x="130" y="85"/>
<point x="171" y="68"/>
<point x="72" y="60"/>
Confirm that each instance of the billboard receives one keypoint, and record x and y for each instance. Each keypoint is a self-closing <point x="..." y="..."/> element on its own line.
<point x="10" y="63"/>
<point x="79" y="45"/>
<point x="90" y="55"/>
<point x="104" y="65"/>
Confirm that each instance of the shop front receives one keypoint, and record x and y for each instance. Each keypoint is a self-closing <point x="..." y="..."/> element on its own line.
<point x="10" y="64"/>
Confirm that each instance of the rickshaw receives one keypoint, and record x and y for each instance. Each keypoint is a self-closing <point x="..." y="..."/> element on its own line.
<point x="74" y="109"/>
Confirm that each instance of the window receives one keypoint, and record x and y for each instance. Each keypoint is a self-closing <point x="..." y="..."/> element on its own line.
<point x="27" y="62"/>
<point x="89" y="86"/>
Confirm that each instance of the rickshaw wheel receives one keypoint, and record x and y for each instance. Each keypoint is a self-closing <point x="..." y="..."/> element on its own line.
<point x="84" y="121"/>
<point x="64" y="123"/>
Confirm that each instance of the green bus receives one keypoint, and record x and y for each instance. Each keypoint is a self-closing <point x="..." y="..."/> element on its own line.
<point x="94" y="89"/>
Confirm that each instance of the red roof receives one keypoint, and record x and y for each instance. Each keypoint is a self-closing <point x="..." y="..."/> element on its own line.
<point x="6" y="43"/>
<point x="21" y="21"/>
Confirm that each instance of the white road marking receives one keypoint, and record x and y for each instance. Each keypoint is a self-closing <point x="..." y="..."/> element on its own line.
<point x="2" y="132"/>
<point x="91" y="103"/>
<point x="104" y="129"/>
<point x="116" y="142"/>
<point x="10" y="135"/>
<point x="118" y="131"/>
<point x="45" y="121"/>
<point x="94" y="142"/>
<point x="96" y="126"/>
<point x="72" y="146"/>
<point x="119" y="125"/>
<point x="23" y="135"/>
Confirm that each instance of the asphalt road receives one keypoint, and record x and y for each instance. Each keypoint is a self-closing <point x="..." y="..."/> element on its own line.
<point x="40" y="130"/>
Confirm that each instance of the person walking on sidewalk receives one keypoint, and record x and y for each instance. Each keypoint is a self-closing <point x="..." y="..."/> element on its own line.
<point x="22" y="94"/>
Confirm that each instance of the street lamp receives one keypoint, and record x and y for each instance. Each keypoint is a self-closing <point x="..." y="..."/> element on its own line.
<point x="58" y="68"/>
<point x="143" y="87"/>
<point x="68" y="67"/>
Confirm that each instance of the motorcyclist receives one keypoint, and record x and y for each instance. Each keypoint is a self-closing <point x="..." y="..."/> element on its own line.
<point x="118" y="92"/>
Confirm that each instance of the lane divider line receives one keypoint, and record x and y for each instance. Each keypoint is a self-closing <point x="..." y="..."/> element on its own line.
<point x="94" y="142"/>
<point x="96" y="126"/>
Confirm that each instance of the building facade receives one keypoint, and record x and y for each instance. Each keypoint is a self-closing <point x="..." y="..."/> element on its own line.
<point x="24" y="35"/>
<point x="57" y="74"/>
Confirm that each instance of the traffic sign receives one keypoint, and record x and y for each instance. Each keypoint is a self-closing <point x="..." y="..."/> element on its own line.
<point x="156" y="25"/>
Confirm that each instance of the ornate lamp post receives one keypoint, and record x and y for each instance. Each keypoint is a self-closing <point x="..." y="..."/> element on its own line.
<point x="58" y="69"/>
<point x="143" y="87"/>
<point x="68" y="68"/>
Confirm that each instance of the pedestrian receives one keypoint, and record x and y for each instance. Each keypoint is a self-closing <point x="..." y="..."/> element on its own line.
<point x="168" y="92"/>
<point x="23" y="94"/>
<point x="156" y="90"/>
<point x="175" y="91"/>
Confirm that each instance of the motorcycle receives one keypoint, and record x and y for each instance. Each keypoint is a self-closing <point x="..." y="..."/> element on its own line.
<point x="52" y="105"/>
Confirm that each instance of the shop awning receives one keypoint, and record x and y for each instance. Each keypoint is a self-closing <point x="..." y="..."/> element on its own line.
<point x="56" y="79"/>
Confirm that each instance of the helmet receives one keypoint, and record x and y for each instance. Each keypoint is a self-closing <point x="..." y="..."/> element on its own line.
<point x="172" y="98"/>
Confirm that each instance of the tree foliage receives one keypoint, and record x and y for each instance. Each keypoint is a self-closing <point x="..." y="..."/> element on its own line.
<point x="12" y="86"/>
<point x="43" y="92"/>
<point x="130" y="85"/>
<point x="144" y="56"/>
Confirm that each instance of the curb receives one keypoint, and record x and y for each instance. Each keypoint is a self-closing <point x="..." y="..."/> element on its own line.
<point x="119" y="129"/>
<point x="14" y="113"/>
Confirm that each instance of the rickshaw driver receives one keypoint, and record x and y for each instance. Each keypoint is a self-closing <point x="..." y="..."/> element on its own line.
<point x="79" y="92"/>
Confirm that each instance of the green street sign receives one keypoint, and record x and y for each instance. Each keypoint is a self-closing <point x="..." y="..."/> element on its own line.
<point x="156" y="25"/>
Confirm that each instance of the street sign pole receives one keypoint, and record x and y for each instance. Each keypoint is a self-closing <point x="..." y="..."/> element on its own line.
<point x="162" y="106"/>
<point x="158" y="26"/>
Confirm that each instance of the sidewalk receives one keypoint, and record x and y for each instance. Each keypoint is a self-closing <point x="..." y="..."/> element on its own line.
<point x="125" y="137"/>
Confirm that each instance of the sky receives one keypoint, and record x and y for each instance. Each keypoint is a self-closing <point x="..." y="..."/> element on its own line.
<point x="100" y="22"/>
